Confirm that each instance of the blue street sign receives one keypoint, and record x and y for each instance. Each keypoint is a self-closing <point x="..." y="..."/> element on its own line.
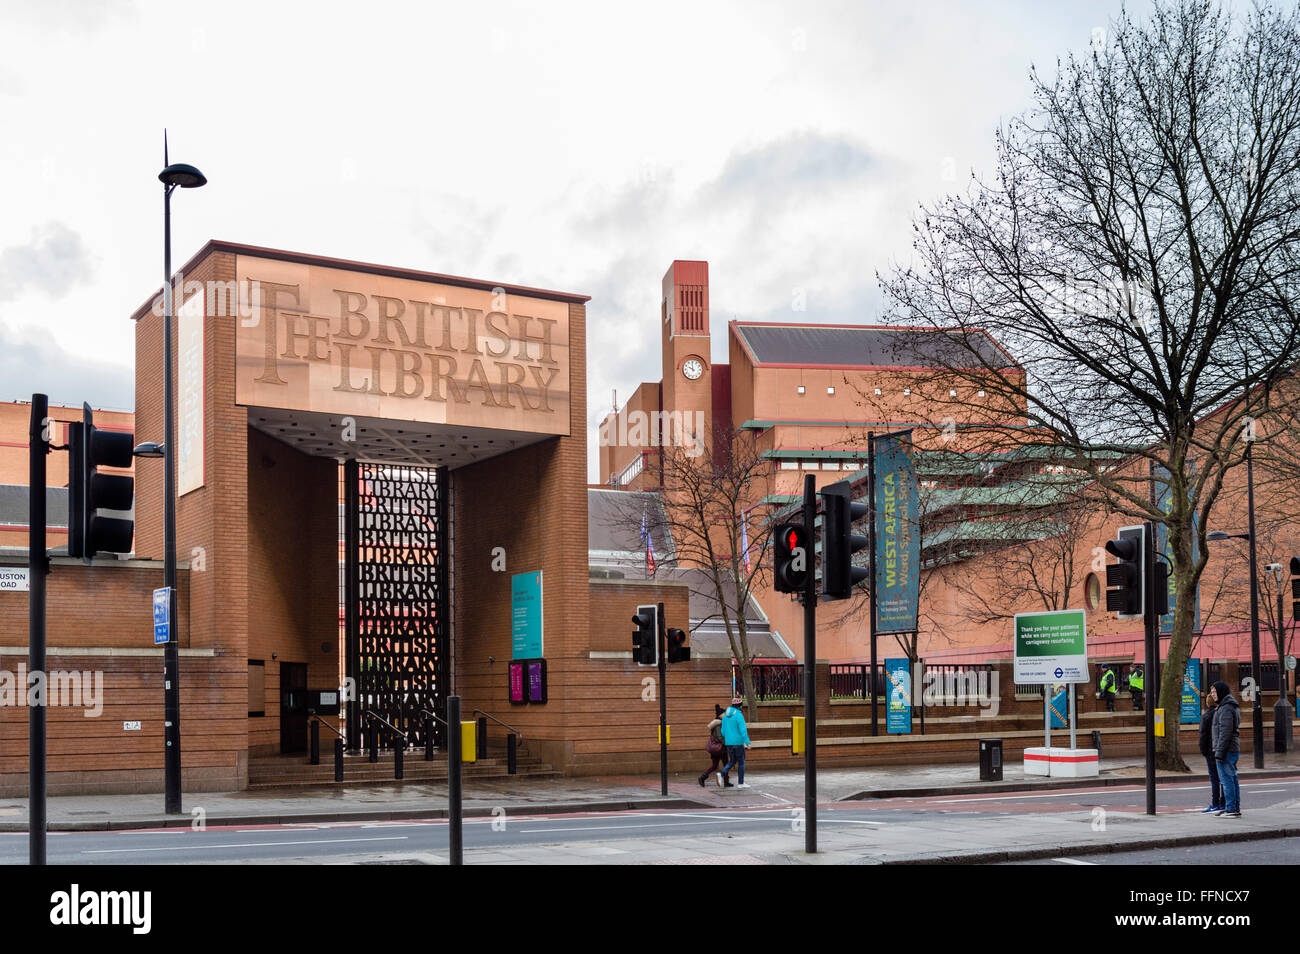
<point x="162" y="612"/>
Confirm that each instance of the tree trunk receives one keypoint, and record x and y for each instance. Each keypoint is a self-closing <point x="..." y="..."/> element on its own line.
<point x="1170" y="694"/>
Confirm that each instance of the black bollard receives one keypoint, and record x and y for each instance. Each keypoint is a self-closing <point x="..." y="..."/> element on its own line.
<point x="338" y="759"/>
<point x="428" y="740"/>
<point x="315" y="741"/>
<point x="512" y="746"/>
<point x="480" y="747"/>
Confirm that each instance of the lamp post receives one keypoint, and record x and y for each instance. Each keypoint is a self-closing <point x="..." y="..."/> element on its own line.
<point x="1257" y="712"/>
<point x="1281" y="708"/>
<point x="186" y="177"/>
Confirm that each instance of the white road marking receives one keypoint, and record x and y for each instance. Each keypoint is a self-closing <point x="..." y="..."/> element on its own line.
<point x="251" y="844"/>
<point x="1074" y="861"/>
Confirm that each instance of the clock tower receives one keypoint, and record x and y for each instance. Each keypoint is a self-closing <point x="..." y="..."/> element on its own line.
<point x="687" y="371"/>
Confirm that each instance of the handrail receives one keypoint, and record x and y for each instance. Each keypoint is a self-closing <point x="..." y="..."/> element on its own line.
<point x="433" y="715"/>
<point x="478" y="712"/>
<point x="376" y="717"/>
<point x="322" y="721"/>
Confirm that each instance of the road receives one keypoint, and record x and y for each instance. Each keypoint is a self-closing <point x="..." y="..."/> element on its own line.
<point x="590" y="831"/>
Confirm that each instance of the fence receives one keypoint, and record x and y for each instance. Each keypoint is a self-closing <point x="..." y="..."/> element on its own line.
<point x="773" y="682"/>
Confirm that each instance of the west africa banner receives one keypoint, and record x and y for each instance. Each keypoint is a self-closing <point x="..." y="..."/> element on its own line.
<point x="898" y="540"/>
<point x="898" y="679"/>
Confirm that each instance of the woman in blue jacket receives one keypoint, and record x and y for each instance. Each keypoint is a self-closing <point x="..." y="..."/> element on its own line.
<point x="736" y="736"/>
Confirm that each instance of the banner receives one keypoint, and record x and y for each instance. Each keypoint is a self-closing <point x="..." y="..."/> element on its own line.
<point x="1060" y="707"/>
<point x="1165" y="553"/>
<point x="898" y="677"/>
<point x="1191" y="707"/>
<point x="898" y="540"/>
<point x="526" y="615"/>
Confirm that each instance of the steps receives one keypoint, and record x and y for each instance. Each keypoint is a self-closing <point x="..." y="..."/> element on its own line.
<point x="294" y="771"/>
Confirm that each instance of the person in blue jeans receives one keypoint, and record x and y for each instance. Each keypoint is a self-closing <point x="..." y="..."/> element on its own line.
<point x="736" y="737"/>
<point x="1227" y="747"/>
<point x="1206" y="741"/>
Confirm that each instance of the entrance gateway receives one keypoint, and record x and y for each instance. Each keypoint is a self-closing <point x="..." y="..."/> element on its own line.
<point x="402" y="381"/>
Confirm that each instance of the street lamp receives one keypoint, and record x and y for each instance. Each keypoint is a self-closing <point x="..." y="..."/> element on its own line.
<point x="185" y="177"/>
<point x="1257" y="711"/>
<point x="1281" y="708"/>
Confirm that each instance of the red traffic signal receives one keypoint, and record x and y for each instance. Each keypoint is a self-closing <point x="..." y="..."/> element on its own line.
<point x="792" y="558"/>
<point x="678" y="651"/>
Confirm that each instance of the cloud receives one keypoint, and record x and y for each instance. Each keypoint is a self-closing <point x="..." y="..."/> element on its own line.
<point x="55" y="260"/>
<point x="37" y="366"/>
<point x="791" y="167"/>
<point x="70" y="16"/>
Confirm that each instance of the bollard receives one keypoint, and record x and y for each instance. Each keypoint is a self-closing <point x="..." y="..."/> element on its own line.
<point x="338" y="759"/>
<point x="399" y="746"/>
<point x="428" y="740"/>
<point x="512" y="748"/>
<point x="315" y="741"/>
<point x="1096" y="742"/>
<point x="372" y="740"/>
<point x="481" y="746"/>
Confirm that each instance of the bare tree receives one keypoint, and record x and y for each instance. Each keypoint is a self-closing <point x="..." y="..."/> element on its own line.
<point x="1138" y="253"/>
<point x="707" y="507"/>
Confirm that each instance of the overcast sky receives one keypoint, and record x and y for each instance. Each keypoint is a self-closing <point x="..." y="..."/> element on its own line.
<point x="573" y="146"/>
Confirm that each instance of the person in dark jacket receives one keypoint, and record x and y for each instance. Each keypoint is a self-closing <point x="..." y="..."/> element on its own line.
<point x="1207" y="750"/>
<point x="717" y="749"/>
<point x="1227" y="747"/>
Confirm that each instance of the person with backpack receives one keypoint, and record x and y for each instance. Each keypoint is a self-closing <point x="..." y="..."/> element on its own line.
<point x="716" y="748"/>
<point x="1207" y="749"/>
<point x="736" y="735"/>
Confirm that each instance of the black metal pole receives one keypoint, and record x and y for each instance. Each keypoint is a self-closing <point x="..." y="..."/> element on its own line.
<point x="871" y="556"/>
<point x="38" y="565"/>
<point x="455" y="844"/>
<point x="1257" y="709"/>
<point x="1281" y="708"/>
<point x="351" y="597"/>
<point x="810" y="674"/>
<point x="171" y="654"/>
<point x="315" y="742"/>
<point x="663" y="701"/>
<point x="512" y="754"/>
<point x="1151" y="624"/>
<point x="338" y="758"/>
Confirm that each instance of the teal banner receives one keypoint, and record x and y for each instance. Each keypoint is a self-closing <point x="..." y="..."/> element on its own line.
<point x="898" y="677"/>
<point x="898" y="538"/>
<point x="1059" y="707"/>
<point x="526" y="615"/>
<point x="1165" y="553"/>
<point x="1191" y="708"/>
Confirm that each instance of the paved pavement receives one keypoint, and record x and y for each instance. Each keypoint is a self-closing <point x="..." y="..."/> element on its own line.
<point x="947" y="827"/>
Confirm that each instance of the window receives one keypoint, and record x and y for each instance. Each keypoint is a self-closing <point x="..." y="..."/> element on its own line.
<point x="907" y="392"/>
<point x="830" y="465"/>
<point x="830" y="390"/>
<point x="257" y="687"/>
<point x="877" y="390"/>
<point x="789" y="465"/>
<point x="809" y="465"/>
<point x="800" y="389"/>
<point x="979" y="393"/>
<point x="952" y="393"/>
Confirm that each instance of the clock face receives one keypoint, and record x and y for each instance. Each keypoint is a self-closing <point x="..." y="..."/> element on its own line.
<point x="693" y="368"/>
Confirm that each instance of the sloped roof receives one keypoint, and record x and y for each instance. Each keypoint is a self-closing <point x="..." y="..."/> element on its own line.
<point x="854" y="346"/>
<point x="13" y="505"/>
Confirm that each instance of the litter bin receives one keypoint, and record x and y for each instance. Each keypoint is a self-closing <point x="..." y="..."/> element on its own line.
<point x="990" y="760"/>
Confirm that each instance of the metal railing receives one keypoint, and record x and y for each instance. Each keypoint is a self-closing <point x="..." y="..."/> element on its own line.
<point x="852" y="680"/>
<point x="368" y="719"/>
<point x="774" y="682"/>
<point x="513" y="738"/>
<point x="316" y="723"/>
<point x="432" y="717"/>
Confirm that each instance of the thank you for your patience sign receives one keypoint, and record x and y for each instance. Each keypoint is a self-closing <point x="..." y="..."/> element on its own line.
<point x="1051" y="647"/>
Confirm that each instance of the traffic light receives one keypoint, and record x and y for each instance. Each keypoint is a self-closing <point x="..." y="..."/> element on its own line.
<point x="839" y="542"/>
<point x="1124" y="580"/>
<point x="92" y="494"/>
<point x="1295" y="588"/>
<point x="792" y="556"/>
<point x="645" y="641"/>
<point x="1160" y="587"/>
<point x="678" y="651"/>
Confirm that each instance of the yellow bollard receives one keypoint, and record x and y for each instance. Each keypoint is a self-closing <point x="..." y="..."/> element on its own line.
<point x="1160" y="722"/>
<point x="797" y="737"/>
<point x="469" y="741"/>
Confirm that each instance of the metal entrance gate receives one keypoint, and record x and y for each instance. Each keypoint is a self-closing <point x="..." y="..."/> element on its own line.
<point x="397" y="637"/>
